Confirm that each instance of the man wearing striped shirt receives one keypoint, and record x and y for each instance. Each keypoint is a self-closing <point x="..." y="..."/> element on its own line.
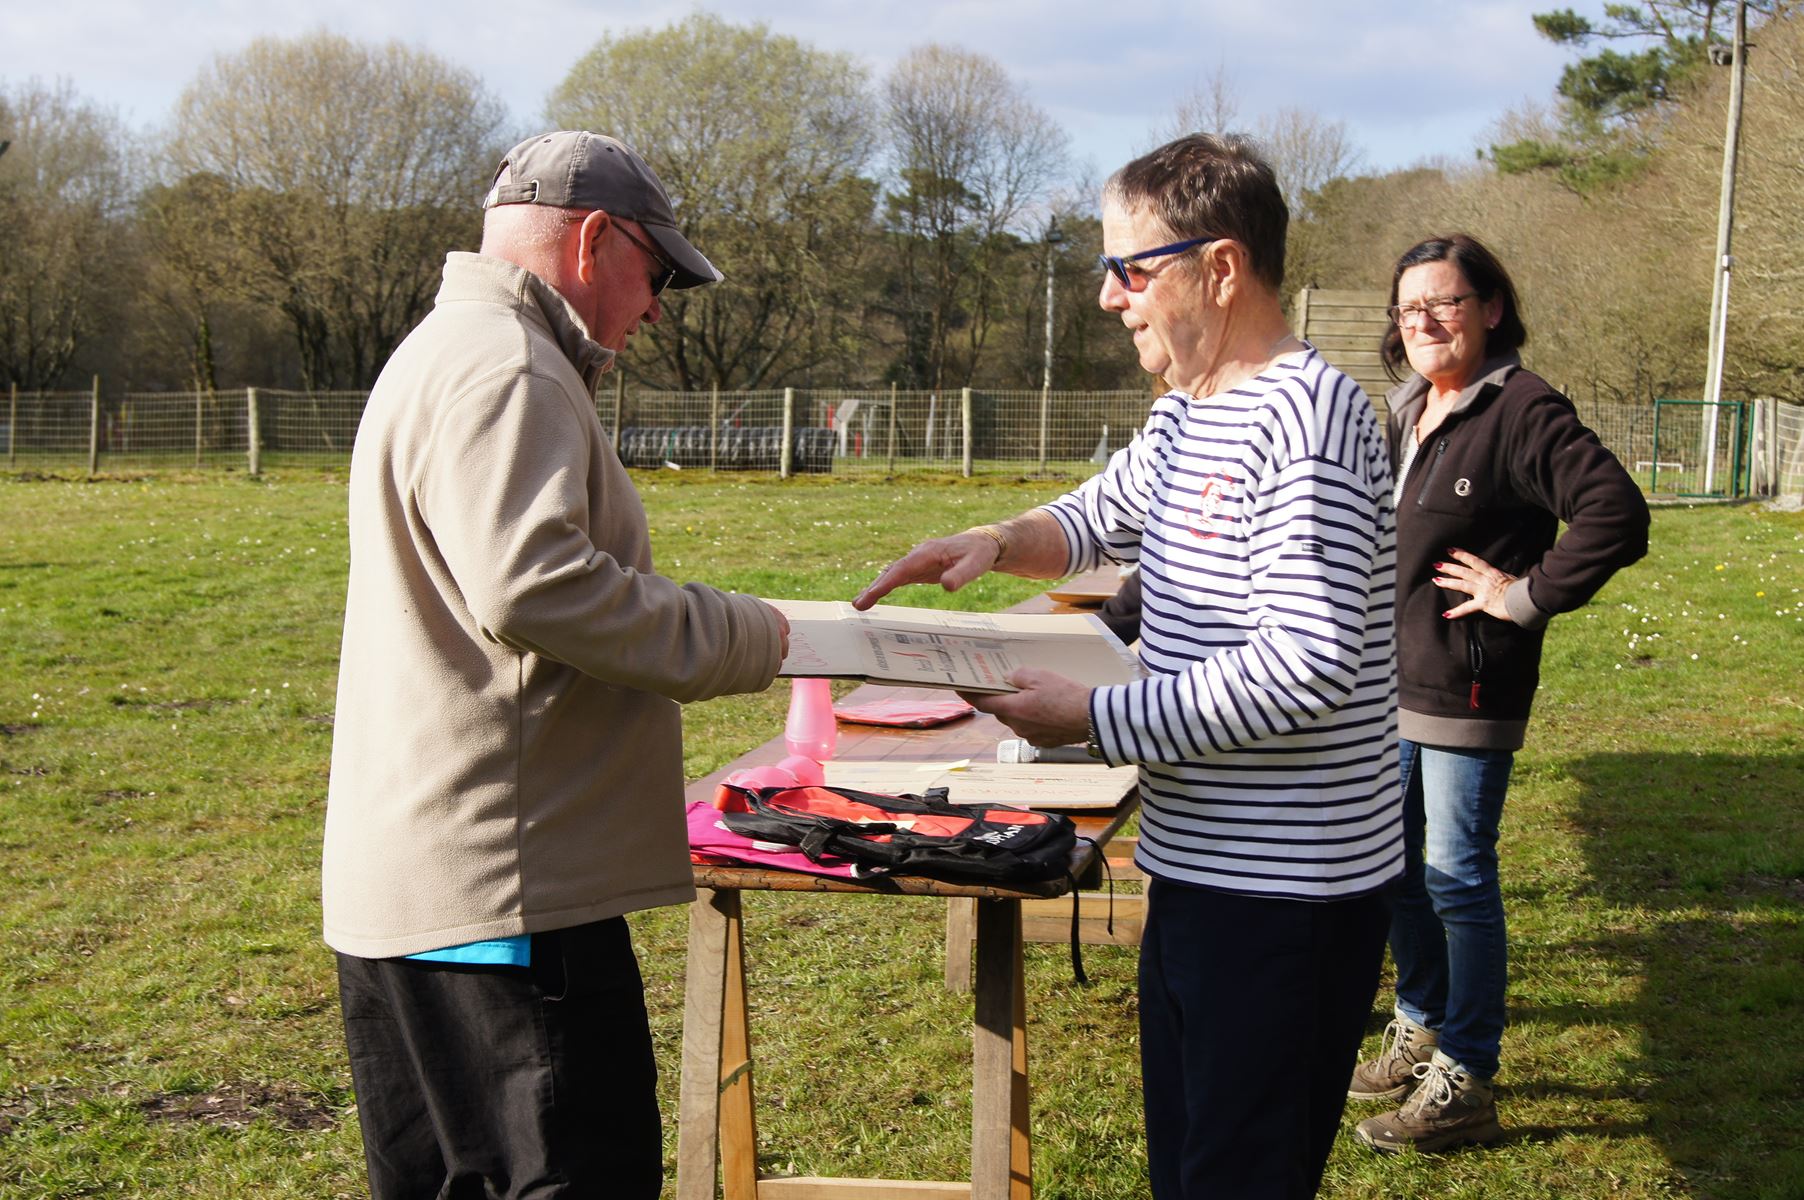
<point x="1257" y="504"/>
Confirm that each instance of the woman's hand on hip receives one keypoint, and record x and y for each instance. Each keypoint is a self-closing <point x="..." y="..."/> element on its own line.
<point x="1484" y="584"/>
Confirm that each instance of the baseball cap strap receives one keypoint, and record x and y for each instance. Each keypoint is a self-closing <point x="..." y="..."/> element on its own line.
<point x="512" y="193"/>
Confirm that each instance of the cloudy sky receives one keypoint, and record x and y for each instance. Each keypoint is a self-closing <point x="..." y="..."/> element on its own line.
<point x="1411" y="80"/>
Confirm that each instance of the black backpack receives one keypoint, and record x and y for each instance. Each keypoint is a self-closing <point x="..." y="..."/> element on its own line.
<point x="906" y="835"/>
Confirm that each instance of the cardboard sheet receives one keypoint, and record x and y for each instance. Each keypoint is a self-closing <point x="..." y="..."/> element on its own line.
<point x="936" y="648"/>
<point x="1061" y="786"/>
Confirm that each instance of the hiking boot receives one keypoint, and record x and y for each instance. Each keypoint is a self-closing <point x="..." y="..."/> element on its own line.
<point x="1389" y="1077"/>
<point x="1450" y="1106"/>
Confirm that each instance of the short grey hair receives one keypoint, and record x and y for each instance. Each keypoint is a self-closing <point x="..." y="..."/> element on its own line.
<point x="1211" y="185"/>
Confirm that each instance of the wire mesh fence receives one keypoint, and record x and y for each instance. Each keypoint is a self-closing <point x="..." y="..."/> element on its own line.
<point x="168" y="429"/>
<point x="1699" y="448"/>
<point x="308" y="427"/>
<point x="1778" y="450"/>
<point x="874" y="432"/>
<point x="841" y="432"/>
<point x="47" y="429"/>
<point x="1627" y="430"/>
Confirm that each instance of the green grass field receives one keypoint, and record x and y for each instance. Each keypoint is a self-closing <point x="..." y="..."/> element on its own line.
<point x="168" y="1015"/>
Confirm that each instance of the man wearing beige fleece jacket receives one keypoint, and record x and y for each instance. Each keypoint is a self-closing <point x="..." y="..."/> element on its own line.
<point x="506" y="767"/>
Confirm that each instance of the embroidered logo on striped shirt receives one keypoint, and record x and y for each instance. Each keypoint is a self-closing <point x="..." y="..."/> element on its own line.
<point x="1213" y="498"/>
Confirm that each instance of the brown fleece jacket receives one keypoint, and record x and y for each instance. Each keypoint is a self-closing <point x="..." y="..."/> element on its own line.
<point x="1508" y="465"/>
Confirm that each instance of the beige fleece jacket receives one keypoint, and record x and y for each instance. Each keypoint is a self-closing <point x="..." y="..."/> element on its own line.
<point x="507" y="753"/>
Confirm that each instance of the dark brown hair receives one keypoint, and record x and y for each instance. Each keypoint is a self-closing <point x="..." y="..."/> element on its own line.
<point x="1488" y="279"/>
<point x="1212" y="185"/>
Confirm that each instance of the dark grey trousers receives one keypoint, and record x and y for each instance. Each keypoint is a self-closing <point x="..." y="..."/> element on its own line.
<point x="1251" y="1015"/>
<point x="506" y="1083"/>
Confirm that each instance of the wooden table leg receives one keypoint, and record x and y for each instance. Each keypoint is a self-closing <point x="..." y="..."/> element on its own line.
<point x="961" y="929"/>
<point x="714" y="925"/>
<point x="1001" y="1145"/>
<point x="738" y="1122"/>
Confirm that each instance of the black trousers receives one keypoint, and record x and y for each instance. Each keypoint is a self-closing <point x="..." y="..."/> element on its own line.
<point x="1251" y="1015"/>
<point x="506" y="1083"/>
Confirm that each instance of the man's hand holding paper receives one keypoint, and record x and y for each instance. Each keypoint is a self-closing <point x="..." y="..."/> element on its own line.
<point x="1048" y="709"/>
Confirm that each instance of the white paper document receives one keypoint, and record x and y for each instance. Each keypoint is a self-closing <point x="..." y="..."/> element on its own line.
<point x="1024" y="785"/>
<point x="938" y="648"/>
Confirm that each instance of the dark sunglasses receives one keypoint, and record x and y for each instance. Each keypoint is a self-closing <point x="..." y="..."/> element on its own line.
<point x="662" y="279"/>
<point x="1117" y="264"/>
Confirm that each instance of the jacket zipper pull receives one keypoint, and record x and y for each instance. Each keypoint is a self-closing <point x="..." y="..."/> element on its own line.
<point x="1475" y="658"/>
<point x="1434" y="464"/>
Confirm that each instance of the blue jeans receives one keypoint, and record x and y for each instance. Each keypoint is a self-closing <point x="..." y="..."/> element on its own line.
<point x="1447" y="933"/>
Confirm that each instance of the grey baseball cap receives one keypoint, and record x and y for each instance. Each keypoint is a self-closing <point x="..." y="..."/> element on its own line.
<point x="573" y="168"/>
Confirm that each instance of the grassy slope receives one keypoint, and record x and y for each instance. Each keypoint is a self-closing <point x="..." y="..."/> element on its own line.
<point x="167" y="658"/>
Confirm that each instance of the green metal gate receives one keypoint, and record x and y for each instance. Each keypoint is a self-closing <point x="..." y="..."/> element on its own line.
<point x="1700" y="449"/>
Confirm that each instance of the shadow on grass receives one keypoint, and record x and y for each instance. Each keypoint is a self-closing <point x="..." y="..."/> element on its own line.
<point x="1707" y="852"/>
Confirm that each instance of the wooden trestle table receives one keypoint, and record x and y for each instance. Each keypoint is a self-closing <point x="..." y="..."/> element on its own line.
<point x="717" y="1128"/>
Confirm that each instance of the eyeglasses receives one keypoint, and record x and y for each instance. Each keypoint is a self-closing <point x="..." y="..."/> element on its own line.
<point x="1441" y="308"/>
<point x="1117" y="264"/>
<point x="662" y="278"/>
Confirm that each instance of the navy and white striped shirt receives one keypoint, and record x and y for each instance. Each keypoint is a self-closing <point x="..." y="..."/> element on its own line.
<point x="1266" y="731"/>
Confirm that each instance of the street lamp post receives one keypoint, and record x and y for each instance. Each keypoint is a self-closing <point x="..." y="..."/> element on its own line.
<point x="1725" y="261"/>
<point x="1054" y="236"/>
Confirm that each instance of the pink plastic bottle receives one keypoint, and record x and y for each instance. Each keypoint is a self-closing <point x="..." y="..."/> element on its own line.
<point x="811" y="730"/>
<point x="809" y="733"/>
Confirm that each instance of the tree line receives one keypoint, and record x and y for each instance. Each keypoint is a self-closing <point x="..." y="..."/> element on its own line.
<point x="286" y="224"/>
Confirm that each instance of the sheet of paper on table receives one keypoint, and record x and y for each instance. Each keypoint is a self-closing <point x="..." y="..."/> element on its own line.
<point x="938" y="648"/>
<point x="1025" y="785"/>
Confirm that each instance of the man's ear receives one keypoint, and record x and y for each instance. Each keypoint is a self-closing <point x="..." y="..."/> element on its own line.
<point x="589" y="234"/>
<point x="1225" y="269"/>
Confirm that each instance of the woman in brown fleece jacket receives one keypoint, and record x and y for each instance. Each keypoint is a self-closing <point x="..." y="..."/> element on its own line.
<point x="1489" y="460"/>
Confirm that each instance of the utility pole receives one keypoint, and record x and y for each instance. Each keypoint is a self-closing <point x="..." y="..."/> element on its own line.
<point x="1054" y="236"/>
<point x="1725" y="226"/>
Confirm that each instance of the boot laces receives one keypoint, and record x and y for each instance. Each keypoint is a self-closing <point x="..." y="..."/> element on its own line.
<point x="1390" y="1046"/>
<point x="1434" y="1089"/>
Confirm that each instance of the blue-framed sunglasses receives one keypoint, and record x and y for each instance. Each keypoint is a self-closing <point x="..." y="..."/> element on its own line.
<point x="1117" y="264"/>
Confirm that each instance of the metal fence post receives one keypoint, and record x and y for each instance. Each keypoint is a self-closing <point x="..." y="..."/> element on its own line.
<point x="789" y="429"/>
<point x="892" y="427"/>
<point x="964" y="420"/>
<point x="619" y="403"/>
<point x="1738" y="458"/>
<point x="714" y="426"/>
<point x="1770" y="405"/>
<point x="94" y="429"/>
<point x="12" y="427"/>
<point x="200" y="402"/>
<point x="253" y="431"/>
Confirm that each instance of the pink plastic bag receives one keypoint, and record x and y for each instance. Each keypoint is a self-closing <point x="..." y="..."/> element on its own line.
<point x="904" y="714"/>
<point x="712" y="842"/>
